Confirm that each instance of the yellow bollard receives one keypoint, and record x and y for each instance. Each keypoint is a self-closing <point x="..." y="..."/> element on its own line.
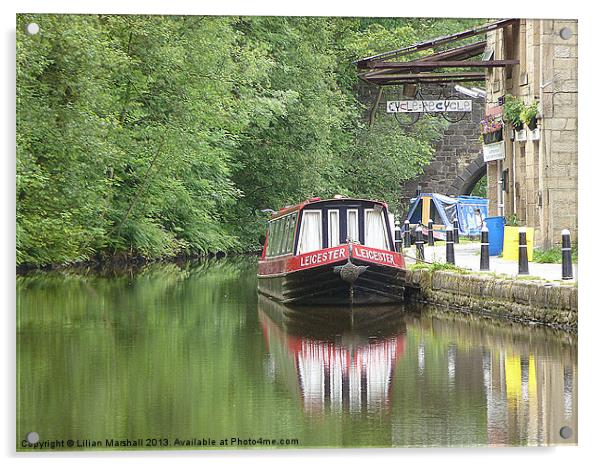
<point x="510" y="251"/>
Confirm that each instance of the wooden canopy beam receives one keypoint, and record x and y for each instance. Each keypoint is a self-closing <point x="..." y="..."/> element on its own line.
<point x="469" y="74"/>
<point x="444" y="64"/>
<point x="390" y="79"/>
<point x="459" y="53"/>
<point x="398" y="82"/>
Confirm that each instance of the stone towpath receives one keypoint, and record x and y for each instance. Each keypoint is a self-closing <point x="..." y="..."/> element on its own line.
<point x="467" y="256"/>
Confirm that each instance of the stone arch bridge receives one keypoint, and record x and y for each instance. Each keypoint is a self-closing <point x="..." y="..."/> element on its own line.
<point x="457" y="164"/>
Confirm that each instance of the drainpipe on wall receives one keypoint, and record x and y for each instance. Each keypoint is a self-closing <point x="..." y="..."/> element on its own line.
<point x="500" y="190"/>
<point x="545" y="222"/>
<point x="514" y="176"/>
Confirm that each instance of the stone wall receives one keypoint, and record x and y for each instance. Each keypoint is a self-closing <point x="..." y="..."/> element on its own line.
<point x="458" y="160"/>
<point x="518" y="300"/>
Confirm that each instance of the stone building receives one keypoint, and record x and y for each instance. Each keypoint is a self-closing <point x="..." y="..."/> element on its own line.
<point x="534" y="179"/>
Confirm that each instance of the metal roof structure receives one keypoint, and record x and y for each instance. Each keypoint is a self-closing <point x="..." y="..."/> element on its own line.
<point x="435" y="68"/>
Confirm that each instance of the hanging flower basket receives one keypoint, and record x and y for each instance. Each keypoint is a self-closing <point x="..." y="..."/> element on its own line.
<point x="490" y="124"/>
<point x="492" y="129"/>
<point x="518" y="125"/>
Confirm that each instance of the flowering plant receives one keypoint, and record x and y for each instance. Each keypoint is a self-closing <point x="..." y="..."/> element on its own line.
<point x="490" y="124"/>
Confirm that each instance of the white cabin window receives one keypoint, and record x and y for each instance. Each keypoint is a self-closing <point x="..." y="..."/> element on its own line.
<point x="281" y="235"/>
<point x="282" y="243"/>
<point x="285" y="228"/>
<point x="352" y="225"/>
<point x="277" y="236"/>
<point x="375" y="229"/>
<point x="333" y="228"/>
<point x="291" y="233"/>
<point x="310" y="237"/>
<point x="271" y="241"/>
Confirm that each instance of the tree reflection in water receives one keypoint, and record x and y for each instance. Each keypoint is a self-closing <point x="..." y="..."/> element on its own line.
<point x="442" y="378"/>
<point x="182" y="350"/>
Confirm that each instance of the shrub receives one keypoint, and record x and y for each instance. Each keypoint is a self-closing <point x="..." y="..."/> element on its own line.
<point x="513" y="107"/>
<point x="529" y="113"/>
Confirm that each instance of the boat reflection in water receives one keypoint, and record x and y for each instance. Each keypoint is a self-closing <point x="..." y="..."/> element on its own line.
<point x="414" y="375"/>
<point x="339" y="361"/>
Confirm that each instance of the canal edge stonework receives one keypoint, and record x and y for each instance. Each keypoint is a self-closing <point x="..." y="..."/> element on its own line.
<point x="549" y="304"/>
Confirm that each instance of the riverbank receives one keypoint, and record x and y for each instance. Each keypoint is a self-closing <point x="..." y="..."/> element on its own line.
<point x="525" y="299"/>
<point x="119" y="262"/>
<point x="530" y="300"/>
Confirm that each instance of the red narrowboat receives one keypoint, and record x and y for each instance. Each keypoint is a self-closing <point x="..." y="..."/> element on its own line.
<point x="334" y="251"/>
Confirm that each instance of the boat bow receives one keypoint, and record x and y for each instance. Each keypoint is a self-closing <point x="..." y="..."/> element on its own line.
<point x="350" y="272"/>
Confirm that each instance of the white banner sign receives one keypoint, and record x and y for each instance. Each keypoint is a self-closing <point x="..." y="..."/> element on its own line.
<point x="494" y="151"/>
<point x="422" y="106"/>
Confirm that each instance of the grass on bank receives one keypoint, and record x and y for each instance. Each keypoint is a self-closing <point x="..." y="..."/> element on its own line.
<point x="553" y="255"/>
<point x="437" y="266"/>
<point x="443" y="266"/>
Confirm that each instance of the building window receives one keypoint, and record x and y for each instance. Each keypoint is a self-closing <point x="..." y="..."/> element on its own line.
<point x="508" y="38"/>
<point x="522" y="54"/>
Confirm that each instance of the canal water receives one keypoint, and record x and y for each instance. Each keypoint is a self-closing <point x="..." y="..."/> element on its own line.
<point x="177" y="356"/>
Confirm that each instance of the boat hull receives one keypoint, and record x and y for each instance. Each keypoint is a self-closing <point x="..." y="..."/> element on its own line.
<point x="382" y="281"/>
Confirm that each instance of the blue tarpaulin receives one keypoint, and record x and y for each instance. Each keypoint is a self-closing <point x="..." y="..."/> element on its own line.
<point x="472" y="211"/>
<point x="469" y="210"/>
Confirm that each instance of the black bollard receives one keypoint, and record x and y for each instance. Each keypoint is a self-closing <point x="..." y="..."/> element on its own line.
<point x="419" y="245"/>
<point x="484" y="249"/>
<point x="456" y="231"/>
<point x="398" y="239"/>
<point x="523" y="258"/>
<point x="407" y="241"/>
<point x="567" y="260"/>
<point x="449" y="246"/>
<point x="431" y="236"/>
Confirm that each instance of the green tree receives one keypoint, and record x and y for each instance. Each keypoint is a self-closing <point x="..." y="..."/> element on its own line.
<point x="480" y="188"/>
<point x="154" y="136"/>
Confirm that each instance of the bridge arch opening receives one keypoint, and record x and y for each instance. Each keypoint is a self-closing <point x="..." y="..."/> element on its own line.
<point x="476" y="177"/>
<point x="465" y="183"/>
<point x="480" y="187"/>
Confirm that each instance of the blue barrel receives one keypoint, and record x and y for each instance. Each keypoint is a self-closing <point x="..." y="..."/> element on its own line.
<point x="495" y="225"/>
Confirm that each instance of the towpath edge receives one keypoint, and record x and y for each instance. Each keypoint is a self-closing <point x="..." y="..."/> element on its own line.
<point x="546" y="303"/>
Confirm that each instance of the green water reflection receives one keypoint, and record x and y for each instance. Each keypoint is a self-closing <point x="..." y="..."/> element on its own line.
<point x="189" y="352"/>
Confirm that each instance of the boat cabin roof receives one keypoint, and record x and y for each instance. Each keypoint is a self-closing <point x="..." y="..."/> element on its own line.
<point x="316" y="201"/>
